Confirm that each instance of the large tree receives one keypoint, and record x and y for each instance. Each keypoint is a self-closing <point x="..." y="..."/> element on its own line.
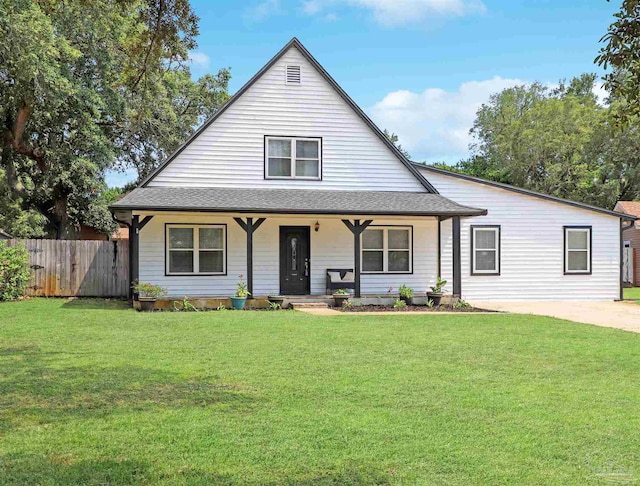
<point x="556" y="141"/>
<point x="89" y="85"/>
<point x="620" y="54"/>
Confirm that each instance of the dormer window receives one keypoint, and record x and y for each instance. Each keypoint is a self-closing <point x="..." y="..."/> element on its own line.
<point x="293" y="158"/>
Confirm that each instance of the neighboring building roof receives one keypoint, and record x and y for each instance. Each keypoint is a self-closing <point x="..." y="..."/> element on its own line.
<point x="292" y="201"/>
<point x="629" y="207"/>
<point x="296" y="43"/>
<point x="527" y="192"/>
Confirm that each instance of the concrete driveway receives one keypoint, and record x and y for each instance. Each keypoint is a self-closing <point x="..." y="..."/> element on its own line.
<point x="620" y="315"/>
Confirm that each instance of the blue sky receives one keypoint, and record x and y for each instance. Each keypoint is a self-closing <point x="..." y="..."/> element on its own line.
<point x="420" y="68"/>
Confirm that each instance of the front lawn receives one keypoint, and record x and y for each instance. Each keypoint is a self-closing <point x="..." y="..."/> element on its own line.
<point x="631" y="293"/>
<point x="94" y="393"/>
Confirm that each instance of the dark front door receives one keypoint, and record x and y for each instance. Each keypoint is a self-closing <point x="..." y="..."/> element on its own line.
<point x="295" y="265"/>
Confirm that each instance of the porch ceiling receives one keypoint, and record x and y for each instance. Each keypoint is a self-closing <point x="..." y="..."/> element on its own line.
<point x="292" y="201"/>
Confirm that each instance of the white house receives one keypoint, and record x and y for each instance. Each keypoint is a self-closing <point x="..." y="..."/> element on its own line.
<point x="290" y="180"/>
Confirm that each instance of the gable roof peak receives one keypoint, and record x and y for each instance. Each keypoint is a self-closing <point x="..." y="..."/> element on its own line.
<point x="295" y="42"/>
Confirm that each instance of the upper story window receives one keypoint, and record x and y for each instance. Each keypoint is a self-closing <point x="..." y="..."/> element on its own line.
<point x="293" y="158"/>
<point x="577" y="250"/>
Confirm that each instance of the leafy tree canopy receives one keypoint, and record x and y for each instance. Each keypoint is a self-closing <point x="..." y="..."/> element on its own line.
<point x="620" y="53"/>
<point x="556" y="141"/>
<point x="87" y="86"/>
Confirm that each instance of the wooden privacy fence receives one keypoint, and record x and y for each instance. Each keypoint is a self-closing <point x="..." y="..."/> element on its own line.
<point x="82" y="268"/>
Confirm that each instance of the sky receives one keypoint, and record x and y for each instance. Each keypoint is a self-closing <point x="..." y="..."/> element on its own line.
<point x="419" y="68"/>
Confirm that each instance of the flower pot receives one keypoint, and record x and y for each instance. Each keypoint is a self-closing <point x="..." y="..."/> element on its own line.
<point x="436" y="298"/>
<point x="147" y="303"/>
<point x="275" y="299"/>
<point x="340" y="299"/>
<point x="407" y="300"/>
<point x="238" y="302"/>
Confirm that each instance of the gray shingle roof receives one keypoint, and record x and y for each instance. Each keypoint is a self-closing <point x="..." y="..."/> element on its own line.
<point x="292" y="201"/>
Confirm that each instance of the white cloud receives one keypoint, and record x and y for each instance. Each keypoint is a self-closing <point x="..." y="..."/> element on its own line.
<point x="434" y="125"/>
<point x="392" y="13"/>
<point x="199" y="59"/>
<point x="262" y="10"/>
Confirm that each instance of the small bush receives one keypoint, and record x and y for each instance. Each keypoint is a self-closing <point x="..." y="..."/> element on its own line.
<point x="14" y="271"/>
<point x="399" y="304"/>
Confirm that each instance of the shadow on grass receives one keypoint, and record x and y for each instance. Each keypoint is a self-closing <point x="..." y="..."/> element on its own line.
<point x="34" y="391"/>
<point x="97" y="304"/>
<point x="63" y="470"/>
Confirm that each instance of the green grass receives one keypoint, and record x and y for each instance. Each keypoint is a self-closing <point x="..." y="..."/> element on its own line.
<point x="632" y="293"/>
<point x="95" y="393"/>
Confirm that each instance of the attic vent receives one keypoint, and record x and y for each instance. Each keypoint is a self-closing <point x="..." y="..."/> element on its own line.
<point x="293" y="75"/>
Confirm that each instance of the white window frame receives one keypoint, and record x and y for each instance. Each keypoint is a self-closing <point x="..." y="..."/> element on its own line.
<point x="474" y="249"/>
<point x="587" y="250"/>
<point x="196" y="248"/>
<point x="385" y="250"/>
<point x="293" y="158"/>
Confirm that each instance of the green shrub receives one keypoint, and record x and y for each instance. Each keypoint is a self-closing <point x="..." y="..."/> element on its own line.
<point x="14" y="271"/>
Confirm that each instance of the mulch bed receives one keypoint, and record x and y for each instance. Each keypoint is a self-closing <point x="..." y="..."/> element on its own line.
<point x="410" y="308"/>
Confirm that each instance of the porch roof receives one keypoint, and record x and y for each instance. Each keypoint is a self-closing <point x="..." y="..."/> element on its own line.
<point x="292" y="201"/>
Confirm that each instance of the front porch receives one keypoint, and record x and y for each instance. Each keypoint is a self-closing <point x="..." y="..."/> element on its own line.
<point x="199" y="249"/>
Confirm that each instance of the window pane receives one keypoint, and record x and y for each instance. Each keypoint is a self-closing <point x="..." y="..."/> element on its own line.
<point x="577" y="240"/>
<point x="211" y="261"/>
<point x="577" y="261"/>
<point x="372" y="261"/>
<point x="211" y="238"/>
<point x="307" y="168"/>
<point x="180" y="237"/>
<point x="280" y="167"/>
<point x="279" y="148"/>
<point x="306" y="149"/>
<point x="180" y="261"/>
<point x="486" y="239"/>
<point x="399" y="239"/>
<point x="372" y="239"/>
<point x="485" y="260"/>
<point x="398" y="261"/>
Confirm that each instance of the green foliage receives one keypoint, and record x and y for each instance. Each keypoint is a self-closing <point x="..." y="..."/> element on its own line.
<point x="406" y="292"/>
<point x="620" y="53"/>
<point x="274" y="306"/>
<point x="393" y="138"/>
<point x="439" y="286"/>
<point x="14" y="271"/>
<point x="462" y="304"/>
<point x="399" y="304"/>
<point x="430" y="303"/>
<point x="556" y="141"/>
<point x="221" y="307"/>
<point x="242" y="290"/>
<point x="144" y="289"/>
<point x="89" y="86"/>
<point x="341" y="292"/>
<point x="184" y="305"/>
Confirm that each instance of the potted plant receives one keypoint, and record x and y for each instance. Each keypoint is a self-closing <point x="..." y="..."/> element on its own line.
<point x="148" y="294"/>
<point x="275" y="298"/>
<point x="339" y="297"/>
<point x="437" y="292"/>
<point x="406" y="294"/>
<point x="238" y="300"/>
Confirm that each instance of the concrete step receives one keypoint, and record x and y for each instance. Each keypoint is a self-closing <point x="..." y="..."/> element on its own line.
<point x="309" y="305"/>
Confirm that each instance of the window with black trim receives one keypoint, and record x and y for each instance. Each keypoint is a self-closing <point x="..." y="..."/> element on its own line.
<point x="195" y="249"/>
<point x="386" y="249"/>
<point x="577" y="250"/>
<point x="485" y="250"/>
<point x="293" y="158"/>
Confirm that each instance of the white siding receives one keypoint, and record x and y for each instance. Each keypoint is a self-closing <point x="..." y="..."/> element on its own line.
<point x="230" y="152"/>
<point x="331" y="247"/>
<point x="531" y="246"/>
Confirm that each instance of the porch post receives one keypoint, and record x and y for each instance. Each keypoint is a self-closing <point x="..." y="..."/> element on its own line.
<point x="356" y="228"/>
<point x="457" y="269"/>
<point x="134" y="249"/>
<point x="439" y="246"/>
<point x="249" y="227"/>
